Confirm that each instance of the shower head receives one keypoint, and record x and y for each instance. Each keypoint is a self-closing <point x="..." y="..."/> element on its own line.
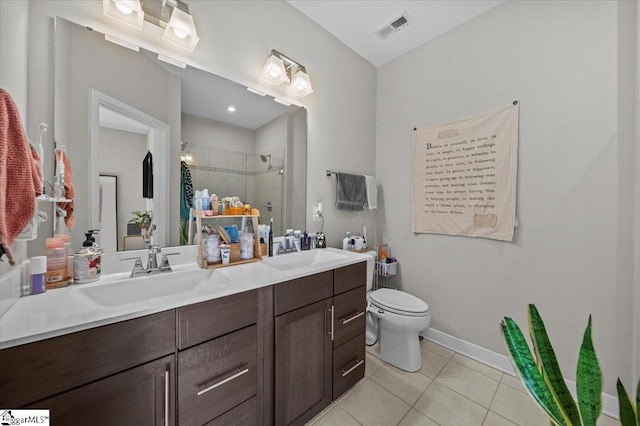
<point x="183" y="145"/>
<point x="264" y="157"/>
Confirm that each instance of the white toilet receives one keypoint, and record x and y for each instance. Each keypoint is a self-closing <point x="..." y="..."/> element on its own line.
<point x="395" y="318"/>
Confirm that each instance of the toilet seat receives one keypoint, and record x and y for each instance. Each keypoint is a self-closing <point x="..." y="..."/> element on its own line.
<point x="399" y="302"/>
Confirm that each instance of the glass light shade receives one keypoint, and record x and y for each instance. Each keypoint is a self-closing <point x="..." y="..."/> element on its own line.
<point x="300" y="84"/>
<point x="181" y="30"/>
<point x="126" y="11"/>
<point x="274" y="71"/>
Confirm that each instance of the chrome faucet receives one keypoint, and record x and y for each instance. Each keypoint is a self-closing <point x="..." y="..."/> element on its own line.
<point x="289" y="245"/>
<point x="152" y="264"/>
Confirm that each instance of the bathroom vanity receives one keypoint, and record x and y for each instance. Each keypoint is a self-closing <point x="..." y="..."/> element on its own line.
<point x="273" y="352"/>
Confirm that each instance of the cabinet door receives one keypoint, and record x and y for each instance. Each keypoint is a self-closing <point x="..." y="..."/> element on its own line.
<point x="303" y="372"/>
<point x="140" y="396"/>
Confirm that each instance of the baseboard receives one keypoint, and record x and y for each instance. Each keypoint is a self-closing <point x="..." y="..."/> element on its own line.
<point x="503" y="363"/>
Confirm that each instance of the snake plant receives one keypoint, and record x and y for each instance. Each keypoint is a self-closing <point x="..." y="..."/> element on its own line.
<point x="544" y="381"/>
<point x="542" y="376"/>
<point x="629" y="415"/>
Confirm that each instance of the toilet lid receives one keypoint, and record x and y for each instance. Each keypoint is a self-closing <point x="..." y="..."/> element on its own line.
<point x="399" y="301"/>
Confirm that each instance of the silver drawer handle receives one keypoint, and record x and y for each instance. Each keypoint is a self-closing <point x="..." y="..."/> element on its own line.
<point x="358" y="315"/>
<point x="166" y="398"/>
<point x="222" y="382"/>
<point x="358" y="364"/>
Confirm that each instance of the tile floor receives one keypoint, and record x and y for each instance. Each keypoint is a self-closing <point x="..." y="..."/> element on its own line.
<point x="449" y="389"/>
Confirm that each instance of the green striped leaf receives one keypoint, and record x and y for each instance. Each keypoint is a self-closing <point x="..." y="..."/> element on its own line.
<point x="526" y="367"/>
<point x="589" y="381"/>
<point x="638" y="403"/>
<point x="550" y="368"/>
<point x="628" y="415"/>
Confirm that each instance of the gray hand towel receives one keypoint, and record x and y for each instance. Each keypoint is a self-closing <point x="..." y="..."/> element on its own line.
<point x="351" y="192"/>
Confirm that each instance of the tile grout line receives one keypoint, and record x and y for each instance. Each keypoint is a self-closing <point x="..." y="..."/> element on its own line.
<point x="492" y="399"/>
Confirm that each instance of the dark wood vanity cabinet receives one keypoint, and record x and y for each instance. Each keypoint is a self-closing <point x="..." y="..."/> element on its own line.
<point x="319" y="341"/>
<point x="119" y="371"/>
<point x="276" y="355"/>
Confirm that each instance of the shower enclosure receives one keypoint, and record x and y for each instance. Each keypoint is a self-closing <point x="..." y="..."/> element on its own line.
<point x="257" y="179"/>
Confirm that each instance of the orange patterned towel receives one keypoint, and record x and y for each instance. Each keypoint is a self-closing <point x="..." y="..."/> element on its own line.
<point x="20" y="178"/>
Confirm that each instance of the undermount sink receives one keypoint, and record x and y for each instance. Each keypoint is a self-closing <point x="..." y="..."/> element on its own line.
<point x="302" y="259"/>
<point x="132" y="290"/>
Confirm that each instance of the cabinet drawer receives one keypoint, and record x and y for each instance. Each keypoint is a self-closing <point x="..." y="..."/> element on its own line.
<point x="349" y="315"/>
<point x="349" y="277"/>
<point x="38" y="370"/>
<point x="303" y="291"/>
<point x="348" y="365"/>
<point x="207" y="320"/>
<point x="217" y="375"/>
<point x="245" y="414"/>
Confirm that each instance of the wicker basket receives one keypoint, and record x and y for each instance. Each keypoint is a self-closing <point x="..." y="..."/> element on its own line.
<point x="387" y="269"/>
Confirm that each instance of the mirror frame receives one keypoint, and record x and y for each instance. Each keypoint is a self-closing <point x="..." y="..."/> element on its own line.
<point x="161" y="154"/>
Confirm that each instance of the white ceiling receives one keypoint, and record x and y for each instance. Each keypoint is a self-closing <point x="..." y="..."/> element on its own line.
<point x="354" y="22"/>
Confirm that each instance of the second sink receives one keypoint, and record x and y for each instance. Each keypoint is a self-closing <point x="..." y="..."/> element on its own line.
<point x="302" y="259"/>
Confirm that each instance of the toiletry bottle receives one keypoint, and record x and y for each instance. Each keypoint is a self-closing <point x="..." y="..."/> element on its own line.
<point x="69" y="248"/>
<point x="87" y="261"/>
<point x="271" y="238"/>
<point x="206" y="201"/>
<point x="346" y="240"/>
<point x="37" y="273"/>
<point x="56" y="253"/>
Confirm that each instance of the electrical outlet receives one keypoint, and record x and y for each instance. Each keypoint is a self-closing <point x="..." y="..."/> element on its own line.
<point x="316" y="214"/>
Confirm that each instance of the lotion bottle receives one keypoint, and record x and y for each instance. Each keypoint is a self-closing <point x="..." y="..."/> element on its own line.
<point x="346" y="241"/>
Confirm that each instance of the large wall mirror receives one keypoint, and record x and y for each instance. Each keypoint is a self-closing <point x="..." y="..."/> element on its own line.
<point x="117" y="109"/>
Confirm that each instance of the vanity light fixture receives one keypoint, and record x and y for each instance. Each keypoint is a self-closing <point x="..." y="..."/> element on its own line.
<point x="126" y="11"/>
<point x="171" y="15"/>
<point x="280" y="68"/>
<point x="181" y="30"/>
<point x="300" y="83"/>
<point x="172" y="61"/>
<point x="274" y="71"/>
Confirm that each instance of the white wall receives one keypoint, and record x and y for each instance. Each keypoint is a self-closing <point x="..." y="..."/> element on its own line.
<point x="216" y="134"/>
<point x="568" y="256"/>
<point x="13" y="78"/>
<point x="127" y="166"/>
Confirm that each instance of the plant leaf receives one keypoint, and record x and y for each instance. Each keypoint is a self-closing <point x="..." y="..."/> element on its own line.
<point x="589" y="381"/>
<point x="550" y="369"/>
<point x="638" y="403"/>
<point x="627" y="412"/>
<point x="525" y="365"/>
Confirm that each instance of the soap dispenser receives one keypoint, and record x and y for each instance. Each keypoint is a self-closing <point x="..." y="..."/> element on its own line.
<point x="87" y="260"/>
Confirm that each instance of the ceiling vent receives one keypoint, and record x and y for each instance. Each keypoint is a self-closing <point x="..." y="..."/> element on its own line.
<point x="396" y="25"/>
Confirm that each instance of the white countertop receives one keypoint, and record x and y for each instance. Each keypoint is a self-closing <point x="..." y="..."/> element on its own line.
<point x="67" y="310"/>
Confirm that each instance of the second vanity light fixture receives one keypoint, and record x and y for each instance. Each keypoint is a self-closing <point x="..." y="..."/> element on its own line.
<point x="172" y="15"/>
<point x="279" y="69"/>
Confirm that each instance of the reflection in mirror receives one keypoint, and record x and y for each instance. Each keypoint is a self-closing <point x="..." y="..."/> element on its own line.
<point x="257" y="152"/>
<point x="108" y="212"/>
